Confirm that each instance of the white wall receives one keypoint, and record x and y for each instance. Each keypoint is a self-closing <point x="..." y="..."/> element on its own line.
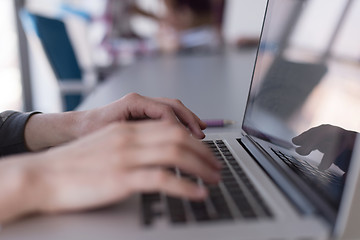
<point x="321" y="29"/>
<point x="243" y="18"/>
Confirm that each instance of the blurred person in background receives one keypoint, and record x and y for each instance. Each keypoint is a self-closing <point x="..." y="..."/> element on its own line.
<point x="185" y="25"/>
<point x="121" y="41"/>
<point x="119" y="14"/>
<point x="169" y="26"/>
<point x="191" y="25"/>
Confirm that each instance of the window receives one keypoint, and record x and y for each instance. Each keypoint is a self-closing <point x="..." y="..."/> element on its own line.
<point x="10" y="81"/>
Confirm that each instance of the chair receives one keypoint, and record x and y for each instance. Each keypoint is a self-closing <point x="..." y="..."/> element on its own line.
<point x="59" y="51"/>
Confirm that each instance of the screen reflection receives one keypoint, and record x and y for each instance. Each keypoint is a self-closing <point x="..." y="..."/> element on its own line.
<point x="305" y="90"/>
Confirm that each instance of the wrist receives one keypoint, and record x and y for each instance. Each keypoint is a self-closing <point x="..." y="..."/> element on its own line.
<point x="90" y="121"/>
<point x="48" y="130"/>
<point x="73" y="125"/>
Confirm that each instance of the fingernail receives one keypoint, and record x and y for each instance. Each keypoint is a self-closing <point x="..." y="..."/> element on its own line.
<point x="203" y="123"/>
<point x="201" y="134"/>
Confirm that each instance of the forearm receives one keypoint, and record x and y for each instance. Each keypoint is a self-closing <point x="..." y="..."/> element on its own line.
<point x="48" y="130"/>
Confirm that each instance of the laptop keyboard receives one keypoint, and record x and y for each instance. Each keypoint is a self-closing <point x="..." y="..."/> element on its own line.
<point x="234" y="198"/>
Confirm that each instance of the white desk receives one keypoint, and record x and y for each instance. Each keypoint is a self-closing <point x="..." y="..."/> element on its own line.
<point x="212" y="85"/>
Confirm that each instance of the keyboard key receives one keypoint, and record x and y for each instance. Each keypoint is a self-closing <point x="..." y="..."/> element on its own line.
<point x="199" y="210"/>
<point x="147" y="201"/>
<point x="217" y="199"/>
<point x="176" y="210"/>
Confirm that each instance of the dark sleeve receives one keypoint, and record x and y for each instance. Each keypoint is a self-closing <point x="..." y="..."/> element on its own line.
<point x="12" y="128"/>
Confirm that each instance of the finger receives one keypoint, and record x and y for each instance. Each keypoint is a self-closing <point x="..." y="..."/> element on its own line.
<point x="326" y="162"/>
<point x="154" y="110"/>
<point x="304" y="150"/>
<point x="302" y="138"/>
<point x="202" y="124"/>
<point x="140" y="107"/>
<point x="159" y="180"/>
<point x="320" y="132"/>
<point x="168" y="156"/>
<point x="308" y="143"/>
<point x="186" y="117"/>
<point x="166" y="135"/>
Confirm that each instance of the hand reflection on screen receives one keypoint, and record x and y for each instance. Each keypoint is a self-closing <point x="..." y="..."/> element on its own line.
<point x="336" y="143"/>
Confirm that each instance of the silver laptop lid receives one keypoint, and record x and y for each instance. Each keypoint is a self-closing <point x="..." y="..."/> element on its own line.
<point x="305" y="89"/>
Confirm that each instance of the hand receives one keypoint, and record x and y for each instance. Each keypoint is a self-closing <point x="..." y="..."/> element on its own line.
<point x="136" y="107"/>
<point x="115" y="162"/>
<point x="328" y="139"/>
<point x="49" y="130"/>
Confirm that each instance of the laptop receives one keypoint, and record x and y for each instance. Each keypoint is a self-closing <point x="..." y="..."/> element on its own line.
<point x="288" y="173"/>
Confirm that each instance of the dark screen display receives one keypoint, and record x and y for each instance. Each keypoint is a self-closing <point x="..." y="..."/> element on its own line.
<point x="305" y="94"/>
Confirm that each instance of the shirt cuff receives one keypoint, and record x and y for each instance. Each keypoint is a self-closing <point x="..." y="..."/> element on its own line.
<point x="12" y="132"/>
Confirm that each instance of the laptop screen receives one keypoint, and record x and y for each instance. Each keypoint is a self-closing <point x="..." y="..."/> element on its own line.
<point x="305" y="94"/>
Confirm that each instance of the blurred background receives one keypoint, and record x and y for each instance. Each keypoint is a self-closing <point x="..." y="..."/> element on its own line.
<point x="53" y="53"/>
<point x="91" y="38"/>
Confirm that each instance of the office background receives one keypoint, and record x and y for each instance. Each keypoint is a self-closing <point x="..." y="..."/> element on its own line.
<point x="26" y="76"/>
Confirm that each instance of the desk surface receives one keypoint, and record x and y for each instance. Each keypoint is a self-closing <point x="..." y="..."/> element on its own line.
<point x="211" y="85"/>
